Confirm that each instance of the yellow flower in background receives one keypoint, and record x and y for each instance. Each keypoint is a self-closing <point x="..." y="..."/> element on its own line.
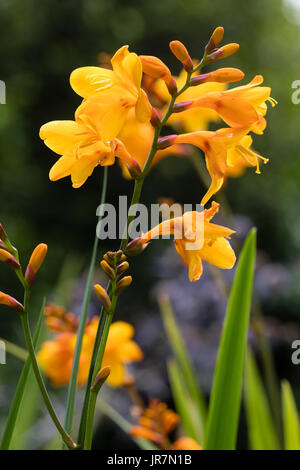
<point x="224" y="149"/>
<point x="56" y="356"/>
<point x="113" y="92"/>
<point x="194" y="118"/>
<point x="241" y="106"/>
<point x="197" y="239"/>
<point x="82" y="148"/>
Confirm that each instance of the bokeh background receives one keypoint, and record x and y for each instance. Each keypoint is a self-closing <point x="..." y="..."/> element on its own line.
<point x="41" y="43"/>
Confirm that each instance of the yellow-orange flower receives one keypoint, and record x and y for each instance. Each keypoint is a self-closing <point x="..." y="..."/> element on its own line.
<point x="113" y="92"/>
<point x="156" y="422"/>
<point x="56" y="356"/>
<point x="223" y="149"/>
<point x="82" y="148"/>
<point x="186" y="443"/>
<point x="241" y="106"/>
<point x="197" y="239"/>
<point x="193" y="118"/>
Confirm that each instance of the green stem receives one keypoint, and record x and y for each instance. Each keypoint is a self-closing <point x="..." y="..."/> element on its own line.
<point x="24" y="319"/>
<point x="93" y="393"/>
<point x="86" y="300"/>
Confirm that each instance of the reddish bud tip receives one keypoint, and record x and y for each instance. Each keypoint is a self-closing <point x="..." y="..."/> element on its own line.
<point x="135" y="247"/>
<point x="165" y="142"/>
<point x="11" y="302"/>
<point x="181" y="53"/>
<point x="155" y="119"/>
<point x="134" y="169"/>
<point x="182" y="106"/>
<point x="215" y="39"/>
<point x="222" y="53"/>
<point x="123" y="284"/>
<point x="9" y="259"/>
<point x="35" y="262"/>
<point x="3" y="234"/>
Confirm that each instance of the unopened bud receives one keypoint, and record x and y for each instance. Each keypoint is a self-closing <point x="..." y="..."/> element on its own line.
<point x="11" y="302"/>
<point x="180" y="52"/>
<point x="122" y="268"/>
<point x="224" y="75"/>
<point x="182" y="106"/>
<point x="108" y="269"/>
<point x="222" y="53"/>
<point x="155" y="119"/>
<point x="113" y="258"/>
<point x="135" y="247"/>
<point x="157" y="69"/>
<point x="103" y="296"/>
<point x="123" y="284"/>
<point x="3" y="234"/>
<point x="167" y="141"/>
<point x="215" y="39"/>
<point x="35" y="262"/>
<point x="100" y="378"/>
<point x="9" y="259"/>
<point x="134" y="169"/>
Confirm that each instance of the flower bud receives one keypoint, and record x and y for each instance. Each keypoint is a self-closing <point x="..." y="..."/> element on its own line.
<point x="123" y="284"/>
<point x="9" y="259"/>
<point x="215" y="39"/>
<point x="224" y="75"/>
<point x="134" y="169"/>
<point x="122" y="268"/>
<point x="167" y="141"/>
<point x="182" y="106"/>
<point x="222" y="53"/>
<point x="135" y="247"/>
<point x="109" y="271"/>
<point x="11" y="302"/>
<point x="103" y="296"/>
<point x="180" y="52"/>
<point x="35" y="262"/>
<point x="155" y="120"/>
<point x="3" y="234"/>
<point x="157" y="69"/>
<point x="100" y="378"/>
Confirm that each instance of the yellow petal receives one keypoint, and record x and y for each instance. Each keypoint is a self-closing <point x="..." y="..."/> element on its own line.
<point x="195" y="266"/>
<point x="120" y="331"/>
<point x="216" y="184"/>
<point x="130" y="351"/>
<point x="117" y="374"/>
<point x="219" y="253"/>
<point x="87" y="81"/>
<point x="63" y="136"/>
<point x="143" y="108"/>
<point x="82" y="169"/>
<point x="62" y="168"/>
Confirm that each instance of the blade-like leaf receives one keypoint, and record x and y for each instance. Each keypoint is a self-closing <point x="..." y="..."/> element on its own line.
<point x="261" y="429"/>
<point x="224" y="409"/>
<point x="15" y="406"/>
<point x="185" y="407"/>
<point x="291" y="422"/>
<point x="184" y="363"/>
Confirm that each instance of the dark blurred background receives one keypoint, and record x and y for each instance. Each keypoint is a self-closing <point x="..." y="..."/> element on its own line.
<point x="41" y="43"/>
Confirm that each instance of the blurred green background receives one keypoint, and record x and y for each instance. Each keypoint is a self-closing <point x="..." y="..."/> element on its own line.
<point x="42" y="42"/>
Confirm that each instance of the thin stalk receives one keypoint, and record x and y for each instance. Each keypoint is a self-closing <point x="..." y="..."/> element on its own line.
<point x="84" y="311"/>
<point x="93" y="394"/>
<point x="24" y="319"/>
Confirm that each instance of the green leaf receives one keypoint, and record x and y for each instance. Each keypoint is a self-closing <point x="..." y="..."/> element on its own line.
<point x="24" y="378"/>
<point x="185" y="406"/>
<point x="224" y="408"/>
<point x="185" y="367"/>
<point x="291" y="422"/>
<point x="113" y="414"/>
<point x="261" y="429"/>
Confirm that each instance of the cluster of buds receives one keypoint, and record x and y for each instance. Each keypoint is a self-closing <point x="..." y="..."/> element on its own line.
<point x="114" y="265"/>
<point x="9" y="255"/>
<point x="212" y="47"/>
<point x="59" y="320"/>
<point x="155" y="423"/>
